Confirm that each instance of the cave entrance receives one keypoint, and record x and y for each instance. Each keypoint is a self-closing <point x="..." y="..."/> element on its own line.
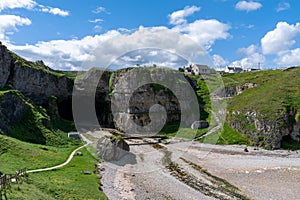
<point x="65" y="109"/>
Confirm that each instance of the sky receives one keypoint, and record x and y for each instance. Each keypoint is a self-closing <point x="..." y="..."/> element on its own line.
<point x="69" y="34"/>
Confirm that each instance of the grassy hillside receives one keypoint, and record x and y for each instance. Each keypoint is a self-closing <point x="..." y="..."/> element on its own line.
<point x="65" y="183"/>
<point x="15" y="154"/>
<point x="278" y="90"/>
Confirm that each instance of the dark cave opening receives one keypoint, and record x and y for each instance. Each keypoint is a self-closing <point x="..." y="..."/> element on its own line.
<point x="65" y="109"/>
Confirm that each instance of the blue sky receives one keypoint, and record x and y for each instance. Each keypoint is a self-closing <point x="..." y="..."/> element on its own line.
<point x="65" y="33"/>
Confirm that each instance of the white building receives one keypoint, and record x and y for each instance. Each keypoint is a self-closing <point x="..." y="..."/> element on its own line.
<point x="234" y="69"/>
<point x="198" y="69"/>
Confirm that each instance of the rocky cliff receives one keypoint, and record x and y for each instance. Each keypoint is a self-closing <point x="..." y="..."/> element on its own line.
<point x="30" y="93"/>
<point x="264" y="105"/>
<point x="124" y="104"/>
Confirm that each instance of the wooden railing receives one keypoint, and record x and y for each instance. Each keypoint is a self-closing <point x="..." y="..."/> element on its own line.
<point x="7" y="179"/>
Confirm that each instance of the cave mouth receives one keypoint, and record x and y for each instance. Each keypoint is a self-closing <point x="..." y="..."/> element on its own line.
<point x="65" y="109"/>
<point x="288" y="143"/>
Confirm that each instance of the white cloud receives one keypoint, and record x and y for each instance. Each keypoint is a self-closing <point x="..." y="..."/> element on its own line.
<point x="63" y="54"/>
<point x="78" y="53"/>
<point x="281" y="38"/>
<point x="54" y="11"/>
<point x="205" y="32"/>
<point x="219" y="61"/>
<point x="283" y="6"/>
<point x="252" y="58"/>
<point x="97" y="28"/>
<point x="178" y="17"/>
<point x="289" y="58"/>
<point x="248" y="5"/>
<point x="11" y="4"/>
<point x="9" y="23"/>
<point x="248" y="50"/>
<point x="96" y="20"/>
<point x="30" y="4"/>
<point x="100" y="9"/>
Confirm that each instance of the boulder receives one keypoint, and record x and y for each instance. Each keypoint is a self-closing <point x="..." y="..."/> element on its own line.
<point x="199" y="125"/>
<point x="112" y="148"/>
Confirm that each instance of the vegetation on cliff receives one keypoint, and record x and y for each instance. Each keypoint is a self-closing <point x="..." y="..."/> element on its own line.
<point x="268" y="111"/>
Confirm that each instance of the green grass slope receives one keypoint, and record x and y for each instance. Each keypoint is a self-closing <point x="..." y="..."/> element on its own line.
<point x="278" y="90"/>
<point x="64" y="183"/>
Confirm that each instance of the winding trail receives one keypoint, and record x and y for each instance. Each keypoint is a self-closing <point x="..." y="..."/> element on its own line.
<point x="63" y="164"/>
<point x="214" y="129"/>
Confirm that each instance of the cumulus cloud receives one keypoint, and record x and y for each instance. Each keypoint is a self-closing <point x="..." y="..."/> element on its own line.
<point x="219" y="61"/>
<point x="103" y="50"/>
<point x="11" y="4"/>
<point x="178" y="17"/>
<point x="283" y="6"/>
<point x="150" y="57"/>
<point x="183" y="39"/>
<point x="54" y="11"/>
<point x="281" y="38"/>
<point x="205" y="32"/>
<point x="248" y="5"/>
<point x="289" y="58"/>
<point x="63" y="54"/>
<point x="9" y="23"/>
<point x="252" y="57"/>
<point x="30" y="4"/>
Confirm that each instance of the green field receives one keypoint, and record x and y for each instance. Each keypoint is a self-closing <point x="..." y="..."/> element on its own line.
<point x="65" y="183"/>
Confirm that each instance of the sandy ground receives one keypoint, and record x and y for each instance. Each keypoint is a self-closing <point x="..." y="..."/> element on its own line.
<point x="258" y="174"/>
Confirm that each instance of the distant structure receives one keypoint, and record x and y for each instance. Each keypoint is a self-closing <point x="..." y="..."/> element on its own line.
<point x="239" y="69"/>
<point x="234" y="69"/>
<point x="198" y="69"/>
<point x="74" y="135"/>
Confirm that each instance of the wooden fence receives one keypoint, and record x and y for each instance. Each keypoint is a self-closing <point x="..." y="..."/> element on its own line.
<point x="7" y="179"/>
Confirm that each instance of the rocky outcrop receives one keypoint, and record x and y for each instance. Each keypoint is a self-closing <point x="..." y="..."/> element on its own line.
<point x="139" y="107"/>
<point x="232" y="90"/>
<point x="112" y="148"/>
<point x="16" y="112"/>
<point x="295" y="134"/>
<point x="39" y="85"/>
<point x="124" y="104"/>
<point x="263" y="130"/>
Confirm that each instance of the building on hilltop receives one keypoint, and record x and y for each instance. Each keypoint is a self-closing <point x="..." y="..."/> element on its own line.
<point x="198" y="69"/>
<point x="234" y="69"/>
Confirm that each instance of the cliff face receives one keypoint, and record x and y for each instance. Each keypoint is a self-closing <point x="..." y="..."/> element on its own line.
<point x="24" y="87"/>
<point x="122" y="103"/>
<point x="22" y="120"/>
<point x="263" y="130"/>
<point x="6" y="62"/>
<point x="264" y="105"/>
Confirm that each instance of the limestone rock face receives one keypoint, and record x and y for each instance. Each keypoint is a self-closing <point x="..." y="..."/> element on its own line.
<point x="145" y="108"/>
<point x="15" y="109"/>
<point x="5" y="65"/>
<point x="35" y="80"/>
<point x="12" y="109"/>
<point x="110" y="148"/>
<point x="263" y="130"/>
<point x="295" y="135"/>
<point x="38" y="85"/>
<point x="123" y="103"/>
<point x="230" y="91"/>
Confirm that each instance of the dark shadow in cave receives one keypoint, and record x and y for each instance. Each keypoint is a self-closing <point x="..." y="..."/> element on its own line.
<point x="65" y="109"/>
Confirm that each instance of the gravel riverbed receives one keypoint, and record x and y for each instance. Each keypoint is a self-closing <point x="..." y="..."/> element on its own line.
<point x="258" y="174"/>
